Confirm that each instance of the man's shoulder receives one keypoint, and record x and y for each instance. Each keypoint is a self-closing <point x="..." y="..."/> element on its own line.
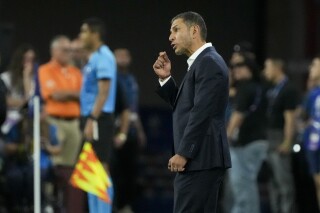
<point x="44" y="68"/>
<point x="212" y="57"/>
<point x="45" y="65"/>
<point x="314" y="93"/>
<point x="210" y="53"/>
<point x="289" y="88"/>
<point x="74" y="69"/>
<point x="247" y="88"/>
<point x="103" y="55"/>
<point x="5" y="75"/>
<point x="104" y="51"/>
<point x="289" y="94"/>
<point x="315" y="90"/>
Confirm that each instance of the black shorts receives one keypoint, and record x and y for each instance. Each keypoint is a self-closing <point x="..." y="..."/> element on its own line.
<point x="103" y="147"/>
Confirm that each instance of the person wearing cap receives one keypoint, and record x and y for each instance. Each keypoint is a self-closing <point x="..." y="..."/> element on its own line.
<point x="240" y="51"/>
<point x="247" y="134"/>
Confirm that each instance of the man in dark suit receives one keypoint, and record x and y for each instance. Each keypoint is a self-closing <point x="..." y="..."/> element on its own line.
<point x="201" y="153"/>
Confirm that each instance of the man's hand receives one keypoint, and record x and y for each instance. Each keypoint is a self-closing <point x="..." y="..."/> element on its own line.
<point x="142" y="139"/>
<point x="59" y="96"/>
<point x="177" y="163"/>
<point x="162" y="66"/>
<point x="88" y="130"/>
<point x="284" y="148"/>
<point x="27" y="70"/>
<point x="119" y="140"/>
<point x="65" y="95"/>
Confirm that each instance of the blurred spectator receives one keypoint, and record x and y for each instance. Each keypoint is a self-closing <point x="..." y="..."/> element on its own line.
<point x="282" y="103"/>
<point x="97" y="98"/>
<point x="19" y="81"/>
<point x="49" y="146"/>
<point x="78" y="54"/>
<point x="60" y="85"/>
<point x="312" y="133"/>
<point x="127" y="151"/>
<point x="3" y="102"/>
<point x="122" y="115"/>
<point x="130" y="85"/>
<point x="3" y="114"/>
<point x="249" y="148"/>
<point x="241" y="50"/>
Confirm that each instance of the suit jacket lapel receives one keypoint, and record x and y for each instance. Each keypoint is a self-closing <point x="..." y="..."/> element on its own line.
<point x="190" y="70"/>
<point x="184" y="79"/>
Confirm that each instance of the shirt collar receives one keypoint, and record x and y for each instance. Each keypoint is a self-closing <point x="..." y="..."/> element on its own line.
<point x="193" y="57"/>
<point x="55" y="64"/>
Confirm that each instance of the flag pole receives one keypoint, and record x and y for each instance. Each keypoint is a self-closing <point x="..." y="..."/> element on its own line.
<point x="36" y="154"/>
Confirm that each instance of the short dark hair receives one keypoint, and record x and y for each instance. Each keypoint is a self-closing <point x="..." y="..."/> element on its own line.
<point x="193" y="18"/>
<point x="96" y="25"/>
<point x="16" y="65"/>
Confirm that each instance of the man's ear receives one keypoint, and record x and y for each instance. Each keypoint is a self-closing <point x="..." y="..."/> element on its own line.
<point x="96" y="36"/>
<point x="195" y="29"/>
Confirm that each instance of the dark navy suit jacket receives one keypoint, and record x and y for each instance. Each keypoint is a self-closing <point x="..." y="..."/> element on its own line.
<point x="199" y="106"/>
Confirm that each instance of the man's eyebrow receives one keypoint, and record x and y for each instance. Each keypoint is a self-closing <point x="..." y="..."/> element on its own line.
<point x="174" y="26"/>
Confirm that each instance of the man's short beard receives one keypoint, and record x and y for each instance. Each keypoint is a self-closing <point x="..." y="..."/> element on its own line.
<point x="123" y="68"/>
<point x="88" y="46"/>
<point x="184" y="51"/>
<point x="181" y="52"/>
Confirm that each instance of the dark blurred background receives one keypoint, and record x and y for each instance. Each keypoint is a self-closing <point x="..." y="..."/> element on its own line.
<point x="289" y="29"/>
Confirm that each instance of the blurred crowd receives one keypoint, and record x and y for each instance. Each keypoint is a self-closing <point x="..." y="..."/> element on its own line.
<point x="67" y="85"/>
<point x="265" y="118"/>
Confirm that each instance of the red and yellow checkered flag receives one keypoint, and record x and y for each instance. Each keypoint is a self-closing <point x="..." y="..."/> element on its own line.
<point x="89" y="174"/>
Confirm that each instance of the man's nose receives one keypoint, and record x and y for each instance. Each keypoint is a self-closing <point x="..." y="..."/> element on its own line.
<point x="171" y="37"/>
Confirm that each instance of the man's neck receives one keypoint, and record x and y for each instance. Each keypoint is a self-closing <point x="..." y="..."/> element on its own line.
<point x="59" y="62"/>
<point x="195" y="47"/>
<point x="123" y="70"/>
<point x="280" y="78"/>
<point x="96" y="46"/>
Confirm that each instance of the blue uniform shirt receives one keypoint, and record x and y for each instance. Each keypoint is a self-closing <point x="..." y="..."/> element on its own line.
<point x="101" y="65"/>
<point x="312" y="108"/>
<point x="312" y="104"/>
<point x="131" y="89"/>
